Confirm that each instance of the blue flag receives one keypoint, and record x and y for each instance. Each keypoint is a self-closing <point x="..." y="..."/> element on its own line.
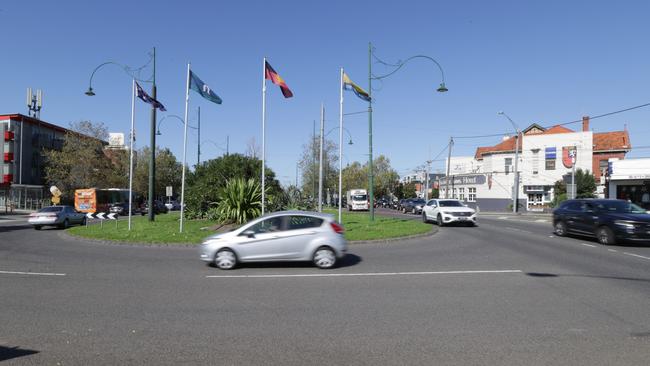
<point x="202" y="88"/>
<point x="147" y="98"/>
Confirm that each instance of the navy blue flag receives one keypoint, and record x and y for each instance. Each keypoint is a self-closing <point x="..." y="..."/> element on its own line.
<point x="202" y="88"/>
<point x="140" y="93"/>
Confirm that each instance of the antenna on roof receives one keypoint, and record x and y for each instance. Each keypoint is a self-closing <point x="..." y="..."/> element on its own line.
<point x="625" y="127"/>
<point x="34" y="102"/>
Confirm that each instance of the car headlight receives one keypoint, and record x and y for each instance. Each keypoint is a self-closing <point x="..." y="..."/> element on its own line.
<point x="625" y="224"/>
<point x="446" y="213"/>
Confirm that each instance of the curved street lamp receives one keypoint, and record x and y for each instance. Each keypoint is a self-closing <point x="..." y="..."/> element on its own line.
<point x="152" y="159"/>
<point x="515" y="191"/>
<point x="344" y="129"/>
<point x="441" y="89"/>
<point x="158" y="133"/>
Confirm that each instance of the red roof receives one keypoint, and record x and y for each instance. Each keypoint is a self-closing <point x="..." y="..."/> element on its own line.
<point x="616" y="140"/>
<point x="507" y="145"/>
<point x="556" y="129"/>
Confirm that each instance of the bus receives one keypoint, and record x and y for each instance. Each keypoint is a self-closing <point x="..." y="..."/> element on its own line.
<point x="92" y="200"/>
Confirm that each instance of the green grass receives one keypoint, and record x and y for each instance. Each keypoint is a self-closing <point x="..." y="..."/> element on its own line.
<point x="165" y="229"/>
<point x="358" y="226"/>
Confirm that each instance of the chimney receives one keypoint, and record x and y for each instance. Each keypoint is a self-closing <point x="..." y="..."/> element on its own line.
<point x="585" y="123"/>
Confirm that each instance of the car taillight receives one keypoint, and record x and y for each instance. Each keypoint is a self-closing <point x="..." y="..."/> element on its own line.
<point x="337" y="228"/>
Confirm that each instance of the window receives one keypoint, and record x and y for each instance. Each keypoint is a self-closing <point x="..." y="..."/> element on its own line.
<point x="303" y="222"/>
<point x="550" y="157"/>
<point x="461" y="194"/>
<point x="535" y="162"/>
<point x="471" y="194"/>
<point x="603" y="166"/>
<point x="508" y="165"/>
<point x="267" y="226"/>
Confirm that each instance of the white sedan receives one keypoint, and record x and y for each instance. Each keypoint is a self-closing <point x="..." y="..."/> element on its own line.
<point x="447" y="211"/>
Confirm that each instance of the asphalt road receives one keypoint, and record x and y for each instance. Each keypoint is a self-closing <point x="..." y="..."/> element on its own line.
<point x="505" y="293"/>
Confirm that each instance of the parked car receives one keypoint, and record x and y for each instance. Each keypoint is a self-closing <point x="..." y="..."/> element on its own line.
<point x="158" y="208"/>
<point x="173" y="205"/>
<point x="279" y="236"/>
<point x="122" y="208"/>
<point x="401" y="203"/>
<point x="609" y="221"/>
<point x="447" y="211"/>
<point x="413" y="205"/>
<point x="60" y="216"/>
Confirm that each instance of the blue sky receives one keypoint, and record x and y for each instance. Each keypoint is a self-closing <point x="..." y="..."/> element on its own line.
<point x="540" y="62"/>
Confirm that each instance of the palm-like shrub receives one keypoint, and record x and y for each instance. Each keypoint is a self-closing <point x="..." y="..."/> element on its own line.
<point x="239" y="201"/>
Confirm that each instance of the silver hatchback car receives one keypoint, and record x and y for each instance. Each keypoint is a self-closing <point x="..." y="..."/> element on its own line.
<point x="280" y="236"/>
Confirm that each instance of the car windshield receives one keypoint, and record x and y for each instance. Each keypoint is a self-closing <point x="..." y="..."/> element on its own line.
<point x="359" y="197"/>
<point x="619" y="207"/>
<point x="418" y="202"/>
<point x="52" y="209"/>
<point x="450" y="204"/>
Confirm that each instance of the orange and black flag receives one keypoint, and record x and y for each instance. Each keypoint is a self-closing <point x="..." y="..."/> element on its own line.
<point x="270" y="74"/>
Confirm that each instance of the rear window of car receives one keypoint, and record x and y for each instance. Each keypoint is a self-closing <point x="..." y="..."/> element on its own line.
<point x="52" y="209"/>
<point x="304" y="222"/>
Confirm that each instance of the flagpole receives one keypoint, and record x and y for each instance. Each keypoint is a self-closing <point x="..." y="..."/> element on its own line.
<point x="131" y="153"/>
<point x="320" y="158"/>
<point x="187" y="100"/>
<point x="263" y="130"/>
<point x="341" y="147"/>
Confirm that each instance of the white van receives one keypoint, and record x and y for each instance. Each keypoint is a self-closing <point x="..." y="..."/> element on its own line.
<point x="357" y="200"/>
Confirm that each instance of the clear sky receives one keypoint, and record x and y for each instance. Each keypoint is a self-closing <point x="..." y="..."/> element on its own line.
<point x="544" y="62"/>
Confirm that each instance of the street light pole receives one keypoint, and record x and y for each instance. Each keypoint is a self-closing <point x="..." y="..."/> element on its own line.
<point x="451" y="144"/>
<point x="515" y="186"/>
<point x="198" y="146"/>
<point x="320" y="159"/>
<point x="152" y="157"/>
<point x="442" y="88"/>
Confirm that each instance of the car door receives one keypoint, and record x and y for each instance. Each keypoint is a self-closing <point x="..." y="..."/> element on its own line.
<point x="572" y="215"/>
<point x="429" y="208"/>
<point x="260" y="240"/>
<point x="585" y="222"/>
<point x="300" y="231"/>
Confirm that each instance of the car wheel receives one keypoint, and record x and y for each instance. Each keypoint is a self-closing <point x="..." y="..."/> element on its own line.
<point x="324" y="258"/>
<point x="424" y="218"/>
<point x="413" y="211"/>
<point x="37" y="227"/>
<point x="225" y="259"/>
<point x="66" y="224"/>
<point x="560" y="228"/>
<point x="605" y="236"/>
<point x="439" y="220"/>
<point x="83" y="221"/>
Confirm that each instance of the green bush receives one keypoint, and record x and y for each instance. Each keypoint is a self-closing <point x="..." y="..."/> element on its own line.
<point x="239" y="201"/>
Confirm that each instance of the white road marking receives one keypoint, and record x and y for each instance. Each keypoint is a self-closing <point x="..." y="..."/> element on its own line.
<point x="503" y="217"/>
<point x="32" y="273"/>
<point x="636" y="255"/>
<point x="365" y="274"/>
<point x="551" y="236"/>
<point x="588" y="245"/>
<point x="541" y="220"/>
<point x="612" y="250"/>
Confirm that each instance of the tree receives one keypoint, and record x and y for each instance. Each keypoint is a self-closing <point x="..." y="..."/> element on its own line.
<point x="203" y="185"/>
<point x="253" y="150"/>
<point x="81" y="163"/>
<point x="310" y="170"/>
<point x="354" y="176"/>
<point x="168" y="172"/>
<point x="585" y="187"/>
<point x="409" y="190"/>
<point x="385" y="182"/>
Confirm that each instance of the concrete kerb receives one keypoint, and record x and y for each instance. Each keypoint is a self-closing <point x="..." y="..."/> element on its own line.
<point x="65" y="235"/>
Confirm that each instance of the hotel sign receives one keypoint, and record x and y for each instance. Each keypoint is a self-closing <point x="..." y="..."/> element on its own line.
<point x="464" y="180"/>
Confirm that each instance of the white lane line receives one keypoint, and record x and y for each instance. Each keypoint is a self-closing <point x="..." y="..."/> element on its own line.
<point x="503" y="217"/>
<point x="366" y="274"/>
<point x="612" y="250"/>
<point x="541" y="220"/>
<point x="588" y="245"/>
<point x="32" y="273"/>
<point x="636" y="255"/>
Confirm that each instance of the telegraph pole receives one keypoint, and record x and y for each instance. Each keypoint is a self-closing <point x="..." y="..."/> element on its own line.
<point x="451" y="144"/>
<point x="152" y="158"/>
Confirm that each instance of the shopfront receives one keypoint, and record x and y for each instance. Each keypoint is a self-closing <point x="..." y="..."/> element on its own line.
<point x="629" y="180"/>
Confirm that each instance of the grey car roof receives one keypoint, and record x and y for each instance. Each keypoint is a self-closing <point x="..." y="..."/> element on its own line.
<point x="304" y="213"/>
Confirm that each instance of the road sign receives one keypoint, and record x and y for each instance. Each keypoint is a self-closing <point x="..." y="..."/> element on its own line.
<point x="169" y="191"/>
<point x="101" y="216"/>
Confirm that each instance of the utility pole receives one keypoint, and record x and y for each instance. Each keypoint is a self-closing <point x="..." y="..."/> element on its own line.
<point x="515" y="194"/>
<point x="227" y="145"/>
<point x="573" y="173"/>
<point x="313" y="156"/>
<point x="152" y="158"/>
<point x="426" y="180"/>
<point x="371" y="179"/>
<point x="451" y="144"/>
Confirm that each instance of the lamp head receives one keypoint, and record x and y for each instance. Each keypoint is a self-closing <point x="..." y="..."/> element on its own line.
<point x="442" y="88"/>
<point x="90" y="92"/>
<point x="500" y="113"/>
<point x="158" y="133"/>
<point x="350" y="143"/>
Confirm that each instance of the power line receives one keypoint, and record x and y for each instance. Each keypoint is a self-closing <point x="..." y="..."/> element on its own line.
<point x="561" y="124"/>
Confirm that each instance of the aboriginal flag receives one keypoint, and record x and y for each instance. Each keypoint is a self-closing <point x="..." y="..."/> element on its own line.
<point x="270" y="74"/>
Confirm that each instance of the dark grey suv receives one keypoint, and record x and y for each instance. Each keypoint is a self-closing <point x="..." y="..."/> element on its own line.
<point x="610" y="221"/>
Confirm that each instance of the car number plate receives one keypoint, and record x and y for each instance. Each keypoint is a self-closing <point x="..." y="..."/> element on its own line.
<point x="462" y="218"/>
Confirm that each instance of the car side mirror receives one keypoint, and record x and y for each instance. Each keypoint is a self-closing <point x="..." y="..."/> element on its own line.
<point x="249" y="233"/>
